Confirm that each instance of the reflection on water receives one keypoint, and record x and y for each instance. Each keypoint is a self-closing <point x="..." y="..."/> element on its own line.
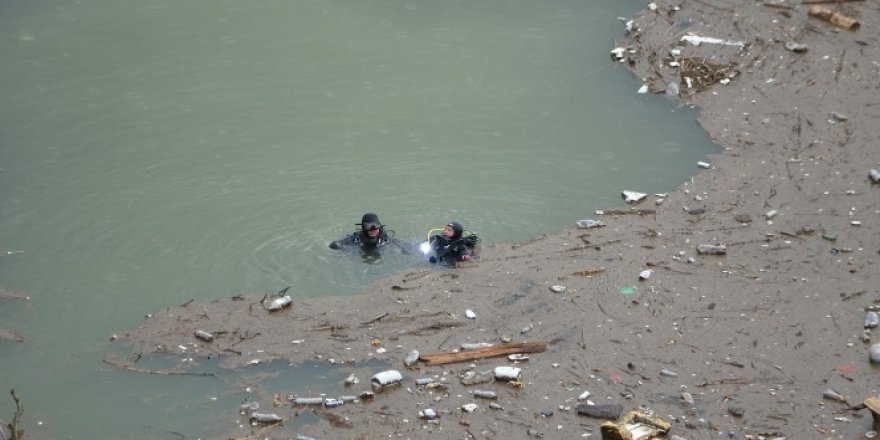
<point x="154" y="153"/>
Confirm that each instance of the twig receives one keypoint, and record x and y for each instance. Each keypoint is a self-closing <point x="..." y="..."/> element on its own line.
<point x="165" y="431"/>
<point x="19" y="410"/>
<point x="125" y="366"/>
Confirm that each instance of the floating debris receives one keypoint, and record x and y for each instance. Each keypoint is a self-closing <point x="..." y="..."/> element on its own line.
<point x="386" y="379"/>
<point x="633" y="196"/>
<point x="411" y="358"/>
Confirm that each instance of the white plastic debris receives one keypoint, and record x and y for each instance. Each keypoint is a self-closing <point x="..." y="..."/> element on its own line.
<point x="279" y="303"/>
<point x="475" y="345"/>
<point x="507" y="373"/>
<point x="470" y="407"/>
<point x="386" y="378"/>
<point x="618" y="54"/>
<point x="411" y="358"/>
<point x="558" y="288"/>
<point x="696" y="40"/>
<point x="589" y="223"/>
<point x="643" y="89"/>
<point x="470" y="314"/>
<point x="704" y="165"/>
<point x="874" y="175"/>
<point x="584" y="396"/>
<point x="770" y="214"/>
<point x="633" y="196"/>
<point x="645" y="274"/>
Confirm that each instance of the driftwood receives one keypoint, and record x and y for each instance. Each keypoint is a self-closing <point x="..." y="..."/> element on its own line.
<point x="17" y="434"/>
<point x="480" y="353"/>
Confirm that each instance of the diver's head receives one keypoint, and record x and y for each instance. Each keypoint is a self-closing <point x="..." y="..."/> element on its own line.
<point x="371" y="225"/>
<point x="453" y="230"/>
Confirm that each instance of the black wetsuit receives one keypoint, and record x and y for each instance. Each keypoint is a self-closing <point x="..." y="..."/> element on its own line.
<point x="362" y="240"/>
<point x="450" y="250"/>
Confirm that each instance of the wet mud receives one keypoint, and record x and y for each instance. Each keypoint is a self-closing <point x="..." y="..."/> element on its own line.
<point x="764" y="340"/>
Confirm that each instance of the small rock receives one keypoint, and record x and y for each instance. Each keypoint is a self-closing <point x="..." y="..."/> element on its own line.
<point x="736" y="410"/>
<point x="608" y="411"/>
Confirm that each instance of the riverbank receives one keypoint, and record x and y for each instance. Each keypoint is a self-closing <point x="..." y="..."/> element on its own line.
<point x="745" y="343"/>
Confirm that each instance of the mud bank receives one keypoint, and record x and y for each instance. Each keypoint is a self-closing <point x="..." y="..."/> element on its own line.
<point x="745" y="343"/>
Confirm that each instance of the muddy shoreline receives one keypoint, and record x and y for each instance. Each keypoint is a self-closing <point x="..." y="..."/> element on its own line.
<point x="745" y="343"/>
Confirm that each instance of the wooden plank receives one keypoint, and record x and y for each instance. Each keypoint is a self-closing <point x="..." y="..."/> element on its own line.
<point x="480" y="353"/>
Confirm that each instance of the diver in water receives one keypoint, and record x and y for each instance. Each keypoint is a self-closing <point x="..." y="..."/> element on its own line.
<point x="372" y="235"/>
<point x="371" y="238"/>
<point x="453" y="245"/>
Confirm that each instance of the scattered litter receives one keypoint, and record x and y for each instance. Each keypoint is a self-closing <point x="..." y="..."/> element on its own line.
<point x="627" y="290"/>
<point x="279" y="303"/>
<point x="205" y="336"/>
<point x="470" y="314"/>
<point x="249" y="407"/>
<point x="308" y="401"/>
<point x="712" y="249"/>
<point x="704" y="165"/>
<point x="333" y="403"/>
<point x="507" y="373"/>
<point x="475" y="345"/>
<point x="584" y="396"/>
<point x="699" y="74"/>
<point x="875" y="353"/>
<point x="589" y="223"/>
<point x="386" y="379"/>
<point x="835" y="18"/>
<point x="643" y="89"/>
<point x="411" y="358"/>
<point x="872" y="320"/>
<point x="668" y="373"/>
<point x="517" y="357"/>
<point x="839" y="116"/>
<point x="428" y="414"/>
<point x="696" y="40"/>
<point x="645" y="274"/>
<point x="483" y="394"/>
<point x="265" y="419"/>
<point x="351" y="380"/>
<point x="770" y="214"/>
<point x="795" y="47"/>
<point x="633" y="197"/>
<point x="874" y="175"/>
<point x="557" y="288"/>
<point x="833" y="395"/>
<point x="635" y="425"/>
<point x="469" y="407"/>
